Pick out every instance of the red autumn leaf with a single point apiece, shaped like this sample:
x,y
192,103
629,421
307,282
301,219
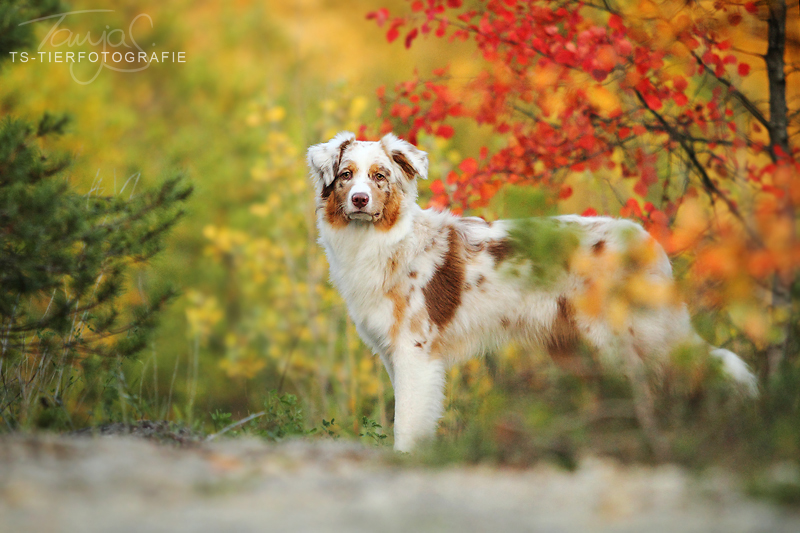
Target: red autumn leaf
x,y
401,111
486,191
545,118
437,187
631,208
680,99
615,23
744,69
653,101
659,217
380,16
411,36
445,131
468,166
439,202
590,212
392,34
587,142
761,264
440,30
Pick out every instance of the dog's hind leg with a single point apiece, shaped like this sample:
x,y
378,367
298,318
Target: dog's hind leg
x,y
419,383
643,403
733,366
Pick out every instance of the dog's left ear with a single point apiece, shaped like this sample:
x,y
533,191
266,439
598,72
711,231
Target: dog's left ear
x,y
412,162
324,158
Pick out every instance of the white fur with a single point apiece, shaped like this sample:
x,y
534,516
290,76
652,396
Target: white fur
x,y
383,275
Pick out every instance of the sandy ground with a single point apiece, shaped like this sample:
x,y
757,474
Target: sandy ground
x,y
127,484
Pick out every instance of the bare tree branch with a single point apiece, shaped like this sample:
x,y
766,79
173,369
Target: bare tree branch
x,y
736,93
708,184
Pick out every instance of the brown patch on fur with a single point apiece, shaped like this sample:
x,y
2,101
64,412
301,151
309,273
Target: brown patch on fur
x,y
443,344
412,274
598,247
481,280
436,347
417,344
392,264
407,168
443,291
398,312
336,197
471,247
505,322
391,208
500,250
342,149
416,323
563,336
379,169
334,210
328,189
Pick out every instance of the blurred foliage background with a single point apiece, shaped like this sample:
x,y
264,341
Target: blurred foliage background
x,y
262,81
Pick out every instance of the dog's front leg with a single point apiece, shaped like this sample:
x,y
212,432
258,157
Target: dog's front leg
x,y
418,396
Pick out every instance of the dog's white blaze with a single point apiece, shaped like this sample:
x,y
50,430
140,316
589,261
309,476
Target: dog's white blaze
x,y
391,279
361,185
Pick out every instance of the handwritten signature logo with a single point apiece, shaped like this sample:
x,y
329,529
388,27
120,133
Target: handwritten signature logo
x,y
118,48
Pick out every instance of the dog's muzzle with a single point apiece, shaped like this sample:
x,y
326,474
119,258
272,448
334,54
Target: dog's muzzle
x,y
360,200
362,215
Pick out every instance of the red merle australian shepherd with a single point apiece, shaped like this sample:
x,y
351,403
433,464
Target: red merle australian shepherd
x,y
427,289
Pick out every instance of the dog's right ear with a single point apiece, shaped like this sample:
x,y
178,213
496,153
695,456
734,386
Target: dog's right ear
x,y
324,158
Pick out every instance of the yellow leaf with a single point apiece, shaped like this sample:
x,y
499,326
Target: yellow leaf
x,y
275,114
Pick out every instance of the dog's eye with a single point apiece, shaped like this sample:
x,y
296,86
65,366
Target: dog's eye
x,y
380,177
346,175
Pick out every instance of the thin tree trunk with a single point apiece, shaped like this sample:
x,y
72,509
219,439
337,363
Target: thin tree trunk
x,y
776,74
779,148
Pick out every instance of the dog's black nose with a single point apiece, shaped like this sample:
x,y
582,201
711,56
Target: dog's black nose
x,y
360,200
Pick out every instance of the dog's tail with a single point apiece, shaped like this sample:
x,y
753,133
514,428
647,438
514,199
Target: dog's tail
x,y
737,369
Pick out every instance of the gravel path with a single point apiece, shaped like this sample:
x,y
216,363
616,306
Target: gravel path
x,y
127,484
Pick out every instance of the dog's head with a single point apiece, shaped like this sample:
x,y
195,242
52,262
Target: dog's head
x,y
365,182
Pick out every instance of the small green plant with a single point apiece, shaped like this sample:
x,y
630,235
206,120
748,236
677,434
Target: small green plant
x,y
372,430
328,428
283,417
220,420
